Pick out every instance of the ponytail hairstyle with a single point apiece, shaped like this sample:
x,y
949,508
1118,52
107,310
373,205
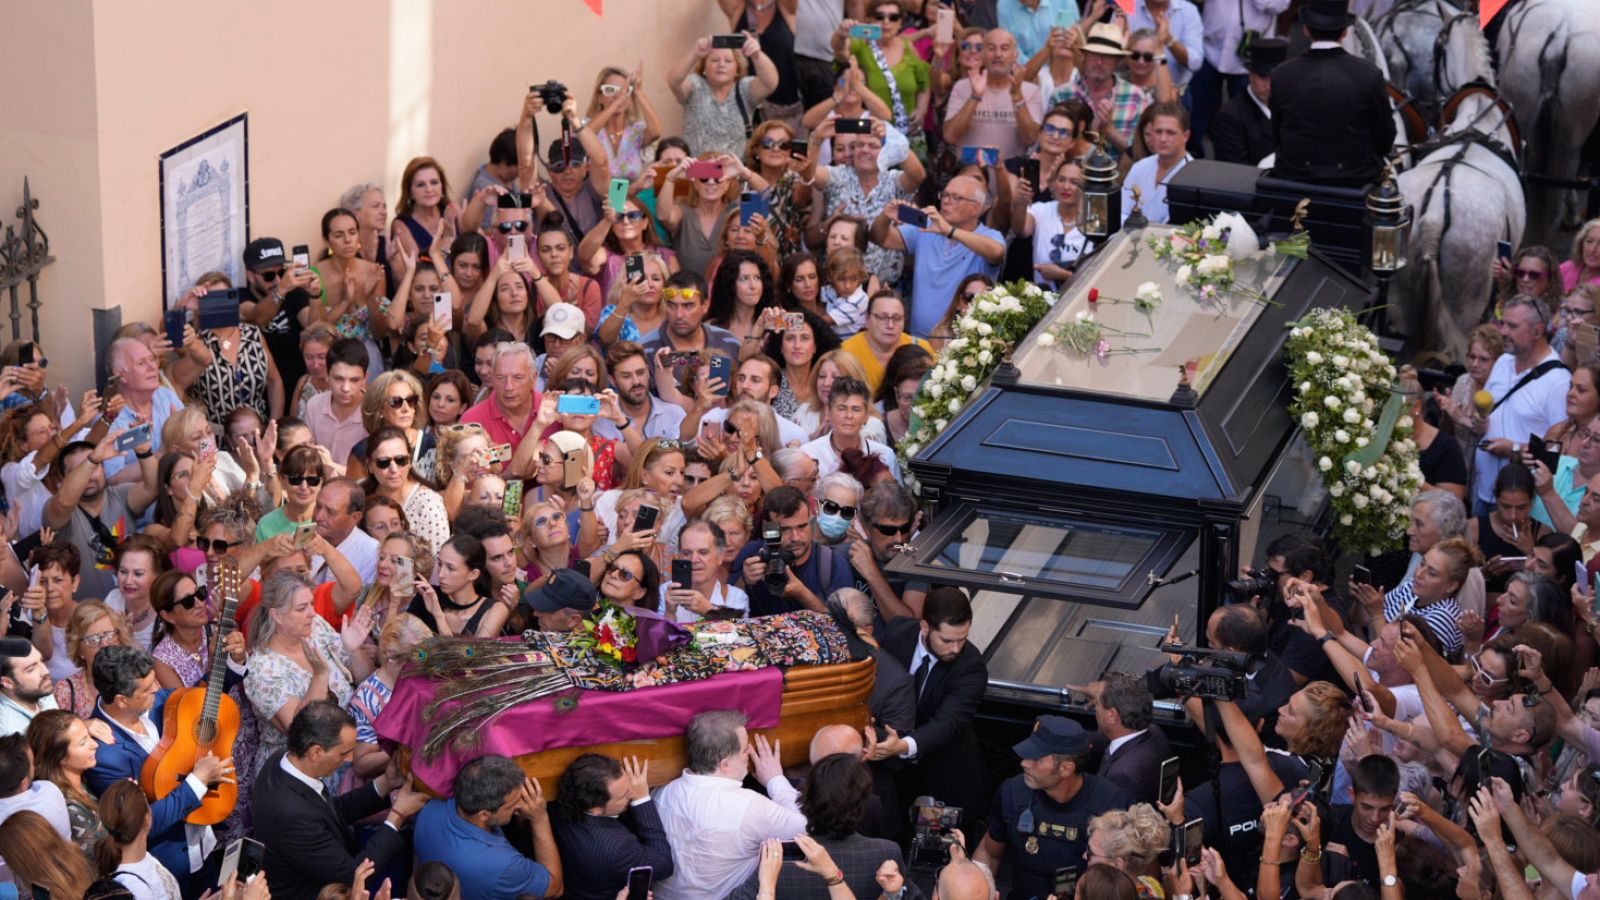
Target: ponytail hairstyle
x,y
124,812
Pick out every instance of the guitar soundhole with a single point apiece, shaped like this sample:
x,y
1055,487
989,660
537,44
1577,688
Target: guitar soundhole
x,y
205,732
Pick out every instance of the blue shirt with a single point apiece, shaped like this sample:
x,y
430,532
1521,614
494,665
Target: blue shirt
x,y
1183,20
1570,494
485,863
1031,27
940,264
163,403
811,573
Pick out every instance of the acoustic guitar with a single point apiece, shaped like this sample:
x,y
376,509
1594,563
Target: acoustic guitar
x,y
200,720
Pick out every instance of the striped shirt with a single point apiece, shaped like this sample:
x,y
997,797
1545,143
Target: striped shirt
x,y
1440,616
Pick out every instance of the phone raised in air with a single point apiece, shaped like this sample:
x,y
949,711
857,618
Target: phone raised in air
x,y
302,255
852,126
633,267
721,367
645,519
1168,785
727,41
176,320
910,215
444,312
578,405
1194,840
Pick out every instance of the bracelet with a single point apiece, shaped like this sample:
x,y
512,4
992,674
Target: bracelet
x,y
952,234
834,880
1310,855
145,455
585,509
1411,729
1322,641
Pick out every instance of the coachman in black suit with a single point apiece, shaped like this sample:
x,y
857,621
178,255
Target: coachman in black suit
x,y
1241,131
1330,111
308,832
950,678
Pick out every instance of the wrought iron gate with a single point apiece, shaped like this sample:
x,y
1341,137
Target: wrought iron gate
x,y
23,255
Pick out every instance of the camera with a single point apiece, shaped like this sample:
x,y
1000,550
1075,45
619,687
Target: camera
x,y
553,93
1206,674
777,576
1261,583
933,831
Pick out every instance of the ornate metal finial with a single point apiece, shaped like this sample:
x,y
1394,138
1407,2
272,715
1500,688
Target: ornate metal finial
x,y
1136,218
1297,222
1183,374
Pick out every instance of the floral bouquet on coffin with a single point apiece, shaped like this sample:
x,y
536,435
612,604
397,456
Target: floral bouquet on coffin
x,y
1206,251
624,637
1356,426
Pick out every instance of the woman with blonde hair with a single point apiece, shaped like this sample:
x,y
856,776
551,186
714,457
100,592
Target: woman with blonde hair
x,y
544,539
776,171
189,430
830,367
394,400
658,467
583,362
633,308
733,517
621,116
1484,346
462,455
397,643
1583,267
697,223
705,81
1131,840
391,592
91,626
425,211
37,854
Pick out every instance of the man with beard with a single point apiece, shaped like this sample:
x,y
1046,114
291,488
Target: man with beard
x,y
629,369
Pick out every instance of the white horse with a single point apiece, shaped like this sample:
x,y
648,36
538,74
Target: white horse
x,y
1465,195
1409,34
1550,63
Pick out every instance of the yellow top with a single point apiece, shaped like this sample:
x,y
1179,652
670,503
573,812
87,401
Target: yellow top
x,y
858,347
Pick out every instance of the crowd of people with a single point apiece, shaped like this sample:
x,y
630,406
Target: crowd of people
x,y
621,349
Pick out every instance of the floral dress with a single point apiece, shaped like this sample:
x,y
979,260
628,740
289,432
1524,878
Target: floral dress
x,y
627,154
845,194
605,463
276,679
225,386
789,215
84,819
193,668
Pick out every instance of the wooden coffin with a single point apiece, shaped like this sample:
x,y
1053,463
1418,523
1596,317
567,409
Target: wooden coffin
x,y
813,696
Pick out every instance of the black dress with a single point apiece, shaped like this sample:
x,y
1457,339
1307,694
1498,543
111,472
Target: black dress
x,y
1442,463
419,608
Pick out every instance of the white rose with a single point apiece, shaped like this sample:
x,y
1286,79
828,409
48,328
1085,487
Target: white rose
x,y
1309,421
1342,436
1314,358
1336,489
1360,500
1331,401
1347,520
1010,305
969,384
1184,274
1305,387
940,424
984,328
1047,340
911,450
1363,441
1353,467
1325,464
1404,422
985,344
985,306
1211,232
954,405
985,357
935,390
1341,362
1351,416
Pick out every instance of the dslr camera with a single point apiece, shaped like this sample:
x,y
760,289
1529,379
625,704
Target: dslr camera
x,y
933,831
776,558
553,93
1261,583
1207,674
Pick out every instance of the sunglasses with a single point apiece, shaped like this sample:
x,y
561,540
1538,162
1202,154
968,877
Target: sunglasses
x,y
542,521
973,46
308,480
622,574
190,601
1483,675
1141,56
1529,274
848,513
886,17
680,293
892,530
411,400
206,545
1056,131
672,444
518,226
100,640
770,143
558,166
270,274
385,462
610,90
708,180
632,215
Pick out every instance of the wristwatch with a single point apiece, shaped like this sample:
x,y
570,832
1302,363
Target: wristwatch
x,y
1390,881
1516,449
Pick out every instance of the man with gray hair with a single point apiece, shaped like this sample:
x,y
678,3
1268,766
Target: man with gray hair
x,y
1529,386
144,397
954,244
888,514
513,402
715,826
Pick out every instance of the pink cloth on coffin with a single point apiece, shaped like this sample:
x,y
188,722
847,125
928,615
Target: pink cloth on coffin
x,y
600,717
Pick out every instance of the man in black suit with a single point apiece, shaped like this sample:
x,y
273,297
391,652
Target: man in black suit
x,y
950,677
1330,111
307,831
1122,708
606,824
1242,130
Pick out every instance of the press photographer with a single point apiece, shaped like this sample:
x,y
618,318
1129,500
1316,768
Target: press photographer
x,y
1236,630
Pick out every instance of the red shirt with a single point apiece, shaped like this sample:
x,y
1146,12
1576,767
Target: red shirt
x,y
500,429
321,598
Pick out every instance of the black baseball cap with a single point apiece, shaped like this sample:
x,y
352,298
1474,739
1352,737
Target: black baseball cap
x,y
562,589
264,253
1054,736
574,153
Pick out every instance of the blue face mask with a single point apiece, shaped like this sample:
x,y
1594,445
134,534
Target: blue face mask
x,y
833,527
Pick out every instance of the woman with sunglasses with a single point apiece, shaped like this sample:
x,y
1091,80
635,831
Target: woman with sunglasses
x,y
91,626
622,118
633,308
545,540
390,473
776,171
394,400
892,68
902,377
798,349
559,283
139,559
968,63
301,475
1052,224
697,222
632,579
1532,271
1147,67
462,605
619,234
971,288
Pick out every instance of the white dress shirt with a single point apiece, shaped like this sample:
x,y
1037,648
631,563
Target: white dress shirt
x,y
1152,193
41,797
200,838
1532,410
1224,30
828,460
716,828
15,720
1111,748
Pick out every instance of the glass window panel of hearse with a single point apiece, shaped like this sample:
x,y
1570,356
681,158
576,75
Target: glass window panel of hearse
x,y
1145,351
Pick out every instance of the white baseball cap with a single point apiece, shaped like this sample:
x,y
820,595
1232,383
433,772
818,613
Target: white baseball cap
x,y
564,321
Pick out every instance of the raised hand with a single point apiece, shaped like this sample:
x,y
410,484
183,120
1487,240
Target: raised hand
x,y
638,775
766,759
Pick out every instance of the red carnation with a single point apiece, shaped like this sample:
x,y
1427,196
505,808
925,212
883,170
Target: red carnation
x,y
1094,296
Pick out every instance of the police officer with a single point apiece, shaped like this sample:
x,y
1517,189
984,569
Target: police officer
x,y
1040,822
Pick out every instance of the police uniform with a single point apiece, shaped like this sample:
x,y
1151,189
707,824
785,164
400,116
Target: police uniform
x,y
1041,835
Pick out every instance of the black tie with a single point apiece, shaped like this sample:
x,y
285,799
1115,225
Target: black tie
x,y
922,673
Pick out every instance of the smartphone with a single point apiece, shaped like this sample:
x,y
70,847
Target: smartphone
x,y
113,388
25,355
572,468
578,405
705,170
852,126
512,504
1502,249
500,453
1361,575
1542,452
219,309
722,367
176,319
682,573
1194,840
405,574
303,532
244,858
633,267
752,203
444,312
1066,881
639,882
1356,699
679,359
727,41
791,321
302,255
792,852
133,437
40,892
1168,788
1030,173
798,148
987,156
618,195
910,215
1519,560
944,32
866,32
646,518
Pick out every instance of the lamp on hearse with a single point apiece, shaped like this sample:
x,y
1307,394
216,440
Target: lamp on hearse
x,y
1100,213
1390,220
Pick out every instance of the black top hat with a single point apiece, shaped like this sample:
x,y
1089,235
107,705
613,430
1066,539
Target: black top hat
x,y
1265,54
1326,15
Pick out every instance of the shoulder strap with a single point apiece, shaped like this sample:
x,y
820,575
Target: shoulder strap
x,y
1537,373
744,115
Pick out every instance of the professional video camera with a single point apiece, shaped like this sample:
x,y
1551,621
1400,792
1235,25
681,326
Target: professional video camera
x,y
1261,583
776,558
553,93
933,827
1207,674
